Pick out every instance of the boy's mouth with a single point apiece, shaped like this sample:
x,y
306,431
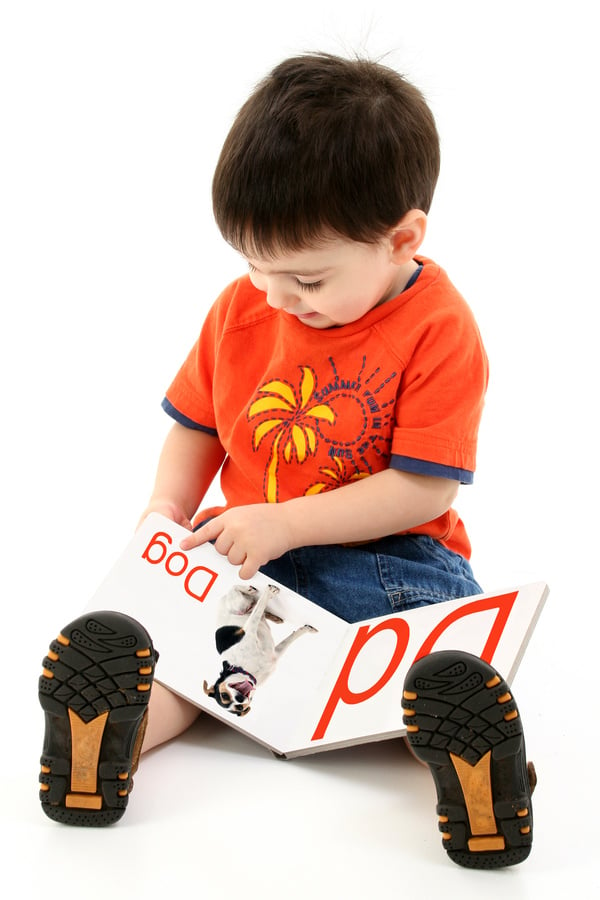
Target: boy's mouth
x,y
315,319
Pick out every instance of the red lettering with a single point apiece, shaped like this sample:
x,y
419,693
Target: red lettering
x,y
212,577
156,542
503,603
169,563
176,564
341,690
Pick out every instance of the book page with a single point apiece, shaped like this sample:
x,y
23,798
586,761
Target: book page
x,y
331,683
178,598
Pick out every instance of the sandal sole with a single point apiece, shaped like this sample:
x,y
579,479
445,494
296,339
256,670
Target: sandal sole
x,y
463,722
94,690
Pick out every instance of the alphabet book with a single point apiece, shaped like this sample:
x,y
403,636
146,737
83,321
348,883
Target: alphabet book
x,y
277,667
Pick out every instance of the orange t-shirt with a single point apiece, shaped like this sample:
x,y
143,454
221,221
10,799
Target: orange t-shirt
x,y
301,410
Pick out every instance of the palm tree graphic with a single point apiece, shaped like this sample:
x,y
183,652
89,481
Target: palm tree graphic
x,y
294,434
333,476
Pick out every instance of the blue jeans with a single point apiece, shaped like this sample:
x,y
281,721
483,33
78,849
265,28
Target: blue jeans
x,y
391,575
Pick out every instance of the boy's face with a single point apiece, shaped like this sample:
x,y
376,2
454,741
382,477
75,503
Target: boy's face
x,y
331,284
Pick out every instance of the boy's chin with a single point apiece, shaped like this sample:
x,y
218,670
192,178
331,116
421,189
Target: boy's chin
x,y
315,320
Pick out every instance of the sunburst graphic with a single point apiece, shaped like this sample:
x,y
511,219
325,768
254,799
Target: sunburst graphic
x,y
364,407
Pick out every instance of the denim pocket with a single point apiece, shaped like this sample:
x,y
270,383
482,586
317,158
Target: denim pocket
x,y
418,571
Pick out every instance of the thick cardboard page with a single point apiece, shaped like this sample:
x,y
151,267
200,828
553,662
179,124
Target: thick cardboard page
x,y
334,685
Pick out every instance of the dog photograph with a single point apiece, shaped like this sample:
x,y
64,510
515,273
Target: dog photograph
x,y
246,646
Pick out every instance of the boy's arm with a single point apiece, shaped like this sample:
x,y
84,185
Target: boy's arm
x,y
385,503
188,462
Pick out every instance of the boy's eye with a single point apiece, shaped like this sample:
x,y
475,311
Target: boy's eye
x,y
309,285
305,285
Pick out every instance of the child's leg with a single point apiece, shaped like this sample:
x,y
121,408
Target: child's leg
x,y
168,716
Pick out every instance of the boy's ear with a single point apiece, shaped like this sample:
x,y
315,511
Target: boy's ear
x,y
407,236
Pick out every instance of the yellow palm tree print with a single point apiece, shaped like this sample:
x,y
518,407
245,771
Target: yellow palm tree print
x,y
289,423
334,476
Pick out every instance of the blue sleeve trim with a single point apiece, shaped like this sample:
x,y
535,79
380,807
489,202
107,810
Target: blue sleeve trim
x,y
184,420
423,467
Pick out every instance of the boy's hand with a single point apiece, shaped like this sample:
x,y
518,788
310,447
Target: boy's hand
x,y
169,510
249,536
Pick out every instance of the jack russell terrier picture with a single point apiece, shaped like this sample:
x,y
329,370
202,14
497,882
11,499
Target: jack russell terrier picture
x,y
246,646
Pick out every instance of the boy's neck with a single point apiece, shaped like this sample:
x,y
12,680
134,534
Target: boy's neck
x,y
403,278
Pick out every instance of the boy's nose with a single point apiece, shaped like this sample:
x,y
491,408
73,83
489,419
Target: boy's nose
x,y
280,298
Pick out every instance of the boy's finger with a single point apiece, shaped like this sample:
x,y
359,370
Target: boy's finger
x,y
196,538
248,569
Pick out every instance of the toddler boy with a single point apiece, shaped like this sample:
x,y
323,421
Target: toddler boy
x,y
338,388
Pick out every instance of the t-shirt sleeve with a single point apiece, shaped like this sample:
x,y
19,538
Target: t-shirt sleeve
x,y
440,403
189,398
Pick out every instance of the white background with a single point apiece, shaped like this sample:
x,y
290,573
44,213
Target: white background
x,y
112,115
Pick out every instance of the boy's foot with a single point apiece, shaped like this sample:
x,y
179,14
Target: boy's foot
x,y
94,689
463,722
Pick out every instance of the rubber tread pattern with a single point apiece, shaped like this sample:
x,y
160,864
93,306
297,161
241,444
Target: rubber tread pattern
x,y
101,662
455,703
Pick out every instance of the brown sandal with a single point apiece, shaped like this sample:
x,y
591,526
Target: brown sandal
x,y
463,722
94,690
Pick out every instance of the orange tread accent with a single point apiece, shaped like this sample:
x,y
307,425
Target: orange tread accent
x,y
52,655
493,682
47,673
481,844
147,670
504,698
410,695
511,715
145,652
63,640
86,740
83,801
476,786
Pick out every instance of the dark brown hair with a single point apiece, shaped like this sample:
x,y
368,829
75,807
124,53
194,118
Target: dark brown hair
x,y
323,146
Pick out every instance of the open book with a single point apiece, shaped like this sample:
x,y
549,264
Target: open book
x,y
279,668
